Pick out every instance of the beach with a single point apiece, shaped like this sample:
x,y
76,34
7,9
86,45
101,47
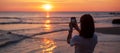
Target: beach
x,y
106,43
30,33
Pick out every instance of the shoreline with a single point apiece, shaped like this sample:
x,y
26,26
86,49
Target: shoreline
x,y
103,46
108,30
6,36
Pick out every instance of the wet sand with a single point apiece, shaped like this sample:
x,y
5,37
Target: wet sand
x,y
108,42
109,30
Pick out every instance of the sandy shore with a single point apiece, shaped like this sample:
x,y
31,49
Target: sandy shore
x,y
108,41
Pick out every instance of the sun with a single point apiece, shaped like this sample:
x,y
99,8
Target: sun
x,y
47,7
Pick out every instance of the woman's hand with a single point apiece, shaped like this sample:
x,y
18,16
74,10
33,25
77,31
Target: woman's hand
x,y
70,32
76,26
70,26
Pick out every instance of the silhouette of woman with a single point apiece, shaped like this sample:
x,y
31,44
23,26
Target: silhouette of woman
x,y
86,41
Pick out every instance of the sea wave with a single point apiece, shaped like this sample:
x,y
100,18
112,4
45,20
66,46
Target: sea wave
x,y
15,38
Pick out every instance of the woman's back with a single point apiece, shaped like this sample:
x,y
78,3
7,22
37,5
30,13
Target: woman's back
x,y
86,41
83,45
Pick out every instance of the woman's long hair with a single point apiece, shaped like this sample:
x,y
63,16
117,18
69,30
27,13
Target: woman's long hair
x,y
87,26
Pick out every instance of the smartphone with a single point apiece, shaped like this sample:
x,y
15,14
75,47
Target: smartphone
x,y
73,20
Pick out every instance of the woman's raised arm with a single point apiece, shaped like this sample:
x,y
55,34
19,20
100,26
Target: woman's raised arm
x,y
69,33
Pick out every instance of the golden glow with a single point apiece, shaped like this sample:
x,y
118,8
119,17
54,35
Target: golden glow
x,y
47,21
47,15
59,5
47,7
47,25
48,45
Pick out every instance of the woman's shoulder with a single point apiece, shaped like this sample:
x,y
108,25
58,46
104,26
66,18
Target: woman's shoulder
x,y
76,36
95,35
80,37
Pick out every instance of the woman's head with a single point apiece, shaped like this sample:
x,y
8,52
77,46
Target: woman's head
x,y
87,26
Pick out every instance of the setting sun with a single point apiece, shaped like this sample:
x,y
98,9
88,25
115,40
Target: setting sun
x,y
59,5
47,7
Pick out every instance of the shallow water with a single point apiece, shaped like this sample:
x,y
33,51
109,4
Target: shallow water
x,y
48,34
56,43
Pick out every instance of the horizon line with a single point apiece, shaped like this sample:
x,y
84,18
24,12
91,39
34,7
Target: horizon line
x,y
60,11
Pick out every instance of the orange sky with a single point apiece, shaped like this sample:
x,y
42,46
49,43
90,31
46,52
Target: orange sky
x,y
60,5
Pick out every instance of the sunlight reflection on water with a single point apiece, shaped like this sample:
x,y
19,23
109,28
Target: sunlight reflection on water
x,y
47,45
47,25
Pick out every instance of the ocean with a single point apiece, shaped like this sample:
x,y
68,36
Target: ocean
x,y
35,24
27,21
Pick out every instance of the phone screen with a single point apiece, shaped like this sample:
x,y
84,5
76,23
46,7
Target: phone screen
x,y
73,19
